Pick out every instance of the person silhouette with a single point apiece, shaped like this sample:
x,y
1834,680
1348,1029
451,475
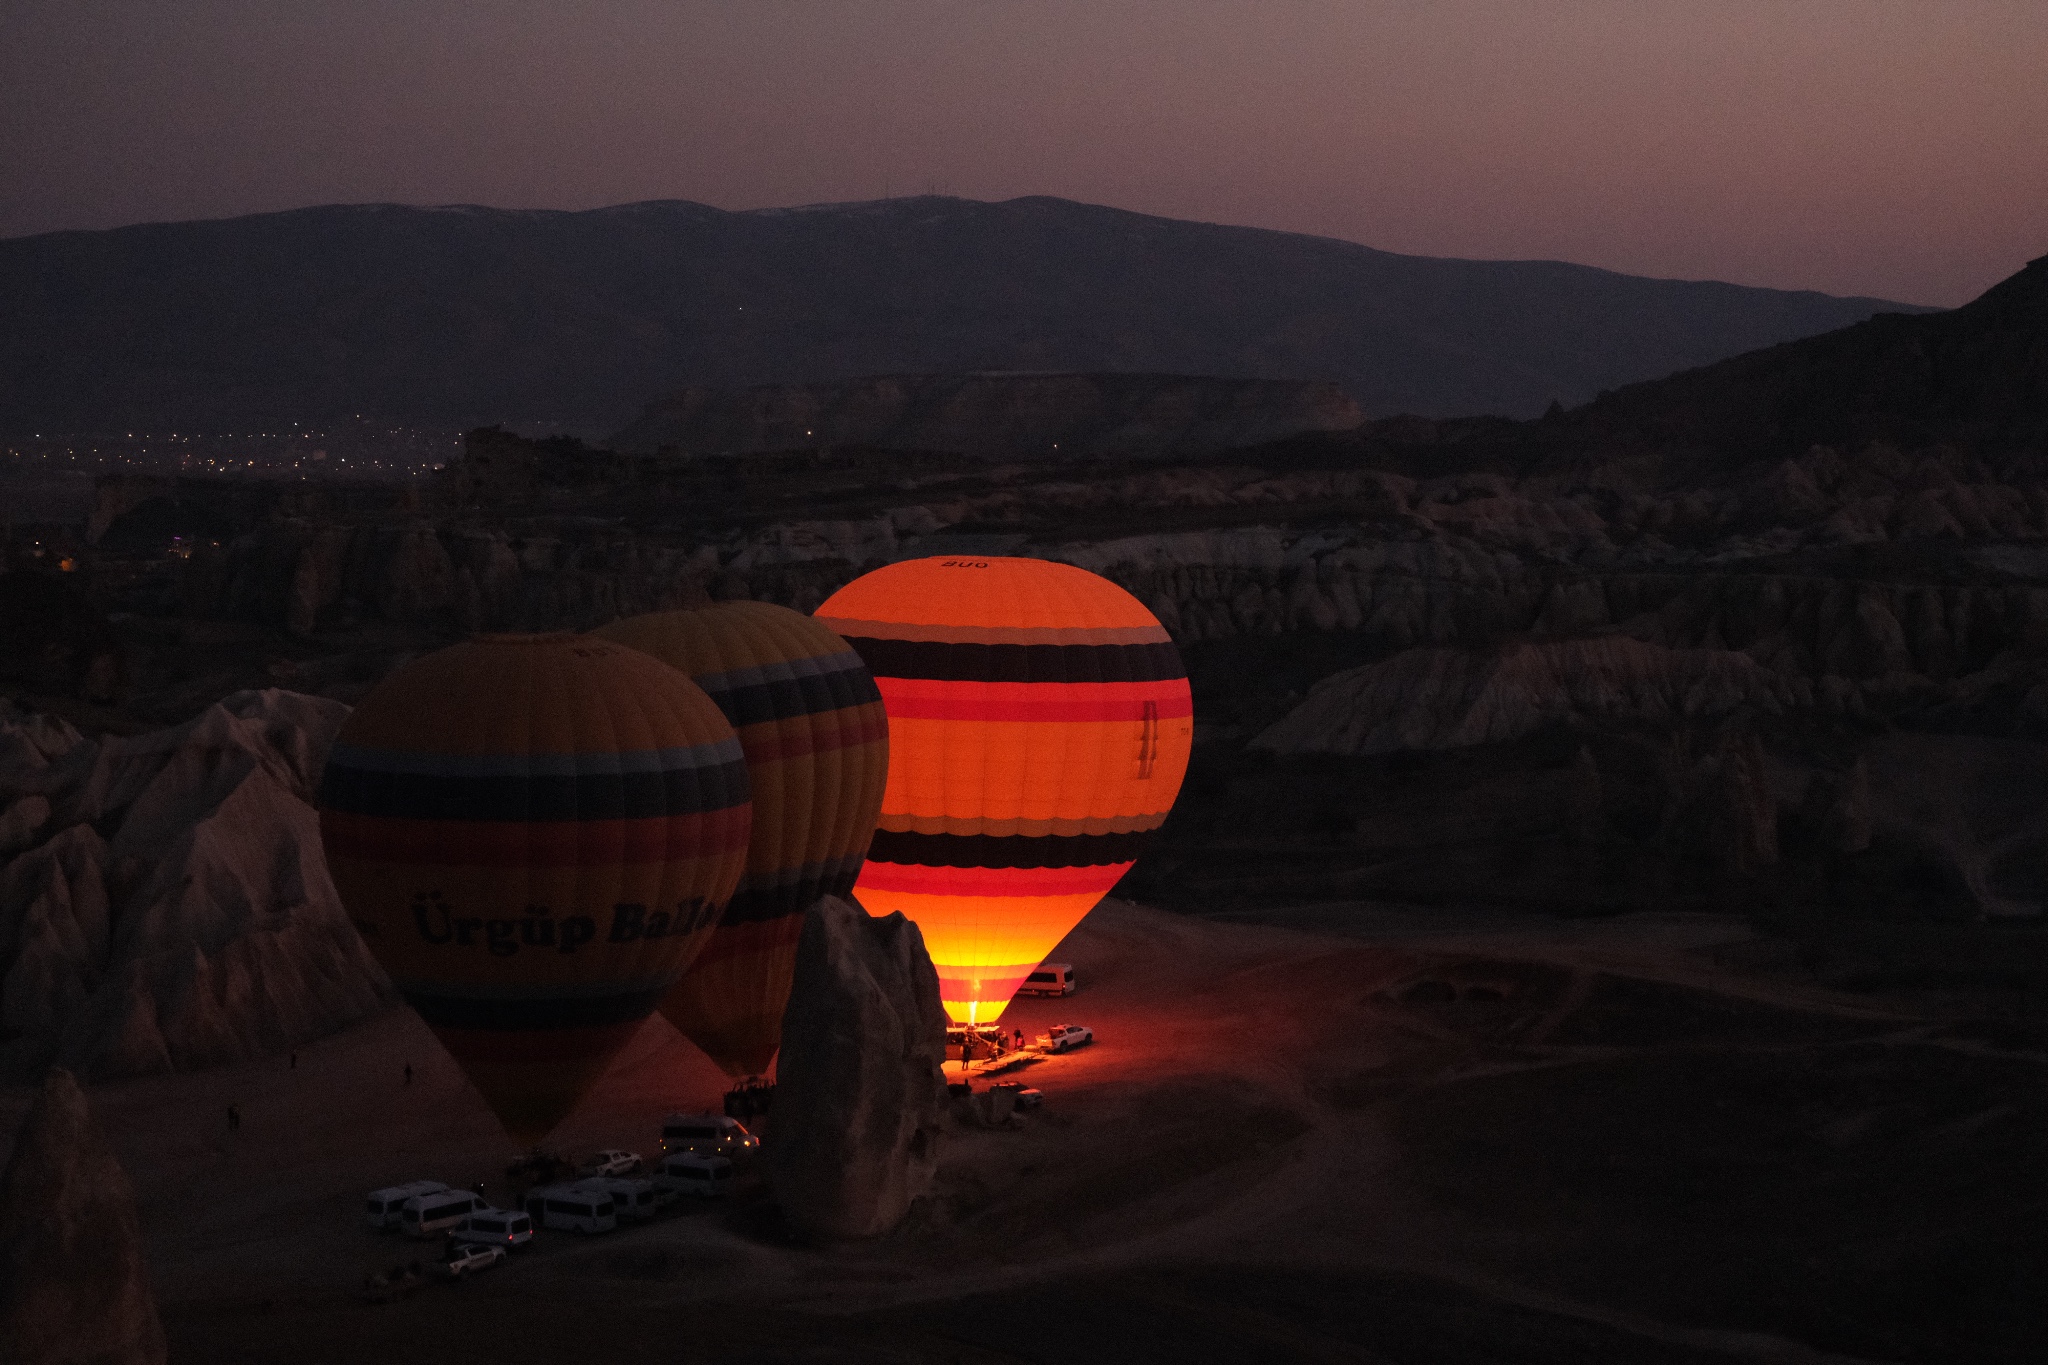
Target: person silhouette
x,y
408,1073
234,1118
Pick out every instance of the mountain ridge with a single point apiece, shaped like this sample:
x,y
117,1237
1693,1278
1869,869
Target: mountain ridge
x,y
462,315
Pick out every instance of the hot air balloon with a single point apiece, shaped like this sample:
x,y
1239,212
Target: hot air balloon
x,y
817,747
535,834
1039,729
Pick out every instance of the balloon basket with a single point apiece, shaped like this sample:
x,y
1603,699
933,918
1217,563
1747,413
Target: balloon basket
x,y
750,1100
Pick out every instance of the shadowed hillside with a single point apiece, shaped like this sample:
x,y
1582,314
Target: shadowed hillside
x,y
1975,378
458,316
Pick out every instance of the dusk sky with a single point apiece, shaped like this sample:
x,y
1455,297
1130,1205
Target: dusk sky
x,y
1889,147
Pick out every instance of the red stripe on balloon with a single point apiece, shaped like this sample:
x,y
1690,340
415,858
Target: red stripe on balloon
x,y
739,940
769,741
549,843
915,879
928,699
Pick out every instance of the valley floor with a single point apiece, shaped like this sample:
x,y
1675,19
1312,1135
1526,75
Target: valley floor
x,y
1344,1133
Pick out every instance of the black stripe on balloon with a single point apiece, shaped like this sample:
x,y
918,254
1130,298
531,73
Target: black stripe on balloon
x,y
534,1015
588,796
1020,663
787,698
762,904
1005,850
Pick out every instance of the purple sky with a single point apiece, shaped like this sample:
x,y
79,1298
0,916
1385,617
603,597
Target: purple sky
x,y
1888,147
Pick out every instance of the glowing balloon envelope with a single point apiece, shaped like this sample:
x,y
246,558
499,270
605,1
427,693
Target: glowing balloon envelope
x,y
817,746
1039,729
535,836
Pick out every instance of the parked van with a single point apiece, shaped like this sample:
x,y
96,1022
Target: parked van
x,y
705,1133
634,1200
1051,978
384,1205
572,1208
693,1173
425,1215
487,1226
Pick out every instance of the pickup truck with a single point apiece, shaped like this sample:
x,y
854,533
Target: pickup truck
x,y
466,1258
1027,1096
611,1161
1061,1037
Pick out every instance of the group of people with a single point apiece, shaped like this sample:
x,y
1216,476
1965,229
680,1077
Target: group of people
x,y
750,1099
997,1044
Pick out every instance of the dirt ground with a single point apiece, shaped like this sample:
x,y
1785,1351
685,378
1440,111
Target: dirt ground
x,y
1360,1134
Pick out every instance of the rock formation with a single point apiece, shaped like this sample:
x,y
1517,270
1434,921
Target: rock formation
x,y
173,909
859,1090
73,1286
1446,698
1836,808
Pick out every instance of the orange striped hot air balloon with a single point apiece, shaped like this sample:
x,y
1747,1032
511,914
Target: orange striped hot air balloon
x,y
1039,729
535,834
817,746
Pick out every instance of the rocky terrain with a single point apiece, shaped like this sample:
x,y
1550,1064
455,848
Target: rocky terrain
x,y
1622,657
164,902
854,1141
1612,658
74,1283
453,317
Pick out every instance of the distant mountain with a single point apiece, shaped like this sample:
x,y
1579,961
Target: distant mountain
x,y
459,316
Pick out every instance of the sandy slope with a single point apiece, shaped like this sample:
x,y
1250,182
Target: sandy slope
x,y
1424,1139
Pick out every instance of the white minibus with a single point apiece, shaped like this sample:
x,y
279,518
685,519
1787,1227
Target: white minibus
x,y
706,1133
508,1228
572,1208
425,1215
1051,978
633,1199
383,1207
694,1173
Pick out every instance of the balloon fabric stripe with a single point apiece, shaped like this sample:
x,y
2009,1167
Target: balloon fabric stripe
x,y
1025,882
929,632
1078,710
561,843
536,797
773,742
1007,850
1039,663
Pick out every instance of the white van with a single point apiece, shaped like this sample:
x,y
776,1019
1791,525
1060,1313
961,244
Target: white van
x,y
694,1173
508,1228
425,1215
572,1208
705,1133
634,1200
384,1205
1051,978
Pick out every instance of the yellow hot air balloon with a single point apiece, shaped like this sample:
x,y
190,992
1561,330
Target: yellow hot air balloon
x,y
1039,729
535,835
817,747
